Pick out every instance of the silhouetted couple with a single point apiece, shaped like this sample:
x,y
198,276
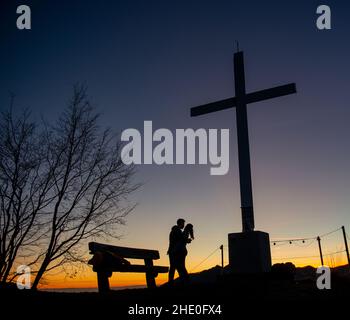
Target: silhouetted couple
x,y
177,251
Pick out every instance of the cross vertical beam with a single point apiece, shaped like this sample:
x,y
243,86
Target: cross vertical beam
x,y
240,102
245,178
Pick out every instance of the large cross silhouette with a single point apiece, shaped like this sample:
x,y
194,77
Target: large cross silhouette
x,y
240,101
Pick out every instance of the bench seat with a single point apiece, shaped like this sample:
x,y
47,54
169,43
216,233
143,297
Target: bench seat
x,y
108,259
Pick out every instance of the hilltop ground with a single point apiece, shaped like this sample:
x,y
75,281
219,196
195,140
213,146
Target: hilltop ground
x,y
253,294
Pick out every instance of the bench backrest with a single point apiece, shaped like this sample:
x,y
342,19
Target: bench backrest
x,y
125,252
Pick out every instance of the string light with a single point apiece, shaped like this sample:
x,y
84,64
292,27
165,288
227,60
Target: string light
x,y
303,240
295,241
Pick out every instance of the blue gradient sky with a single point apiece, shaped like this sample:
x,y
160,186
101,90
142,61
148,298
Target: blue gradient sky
x,y
153,60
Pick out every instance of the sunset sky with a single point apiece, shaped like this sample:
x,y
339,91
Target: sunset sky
x,y
154,60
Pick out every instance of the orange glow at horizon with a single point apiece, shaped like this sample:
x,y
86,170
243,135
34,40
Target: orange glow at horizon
x,y
298,252
89,279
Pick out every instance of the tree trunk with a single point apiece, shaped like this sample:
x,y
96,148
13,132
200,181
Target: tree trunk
x,y
40,273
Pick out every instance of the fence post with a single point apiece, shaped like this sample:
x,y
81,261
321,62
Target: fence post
x,y
319,247
346,245
222,256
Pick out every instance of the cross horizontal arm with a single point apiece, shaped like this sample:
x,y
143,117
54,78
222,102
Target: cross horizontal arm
x,y
250,98
213,107
271,93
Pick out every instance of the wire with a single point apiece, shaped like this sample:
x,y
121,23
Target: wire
x,y
204,259
304,239
292,240
347,236
303,257
280,244
335,252
285,242
328,233
306,245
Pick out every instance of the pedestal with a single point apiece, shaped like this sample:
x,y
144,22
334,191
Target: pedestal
x,y
249,252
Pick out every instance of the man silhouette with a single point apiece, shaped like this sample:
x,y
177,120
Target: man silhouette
x,y
175,252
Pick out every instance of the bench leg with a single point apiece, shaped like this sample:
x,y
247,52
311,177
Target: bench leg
x,y
150,276
151,281
103,282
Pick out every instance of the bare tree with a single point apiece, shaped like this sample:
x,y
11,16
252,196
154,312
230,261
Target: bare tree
x,y
91,183
23,186
76,188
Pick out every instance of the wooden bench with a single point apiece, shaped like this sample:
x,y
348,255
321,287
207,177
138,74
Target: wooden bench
x,y
108,259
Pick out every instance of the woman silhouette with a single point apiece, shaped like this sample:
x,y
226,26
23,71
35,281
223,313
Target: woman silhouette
x,y
188,233
187,238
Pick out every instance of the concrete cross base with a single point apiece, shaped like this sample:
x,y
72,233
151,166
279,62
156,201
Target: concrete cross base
x,y
249,252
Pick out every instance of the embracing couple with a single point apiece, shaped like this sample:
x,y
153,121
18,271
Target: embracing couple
x,y
179,236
